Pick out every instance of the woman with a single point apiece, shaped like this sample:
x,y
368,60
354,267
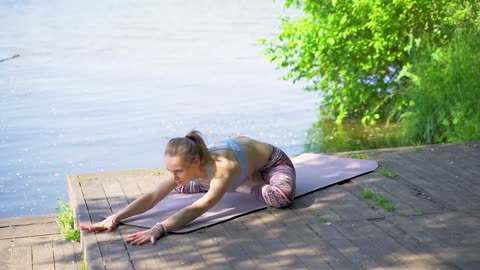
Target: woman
x,y
240,164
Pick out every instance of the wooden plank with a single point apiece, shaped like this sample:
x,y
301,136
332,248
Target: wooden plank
x,y
427,255
112,247
429,238
325,253
6,250
28,230
404,256
293,235
91,249
434,173
349,207
191,258
170,252
42,257
19,221
435,192
78,249
130,188
21,258
208,250
64,255
229,245
314,203
124,190
277,244
455,230
148,183
141,257
446,165
346,249
402,190
435,180
381,255
355,188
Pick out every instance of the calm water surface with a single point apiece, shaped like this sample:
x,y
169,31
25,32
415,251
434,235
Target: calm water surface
x,y
103,85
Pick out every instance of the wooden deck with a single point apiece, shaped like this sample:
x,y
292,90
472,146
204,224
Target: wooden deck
x,y
436,224
36,243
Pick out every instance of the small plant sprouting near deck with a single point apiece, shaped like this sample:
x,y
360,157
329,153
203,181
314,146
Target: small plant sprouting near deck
x,y
378,199
387,173
270,209
359,156
418,145
67,221
84,265
322,220
419,210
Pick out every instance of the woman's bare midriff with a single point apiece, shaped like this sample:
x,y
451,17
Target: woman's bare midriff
x,y
258,154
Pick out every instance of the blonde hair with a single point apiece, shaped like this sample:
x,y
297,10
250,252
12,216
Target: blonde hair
x,y
188,147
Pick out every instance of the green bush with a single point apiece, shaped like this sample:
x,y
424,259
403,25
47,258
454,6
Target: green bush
x,y
66,220
355,52
446,93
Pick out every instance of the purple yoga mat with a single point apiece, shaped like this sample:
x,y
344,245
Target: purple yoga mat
x,y
314,171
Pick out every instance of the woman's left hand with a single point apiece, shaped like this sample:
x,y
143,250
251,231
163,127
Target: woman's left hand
x,y
140,238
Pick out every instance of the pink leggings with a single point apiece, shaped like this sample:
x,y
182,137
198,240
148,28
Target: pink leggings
x,y
279,175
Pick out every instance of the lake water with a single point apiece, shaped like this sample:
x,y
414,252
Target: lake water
x,y
102,86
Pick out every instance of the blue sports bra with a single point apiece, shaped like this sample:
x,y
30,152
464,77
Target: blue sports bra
x,y
241,156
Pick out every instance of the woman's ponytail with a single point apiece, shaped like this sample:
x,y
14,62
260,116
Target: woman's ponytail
x,y
189,147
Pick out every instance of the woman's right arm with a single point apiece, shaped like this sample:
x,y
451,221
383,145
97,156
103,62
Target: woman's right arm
x,y
140,205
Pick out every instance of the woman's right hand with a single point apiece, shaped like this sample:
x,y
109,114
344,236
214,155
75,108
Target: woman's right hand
x,y
107,224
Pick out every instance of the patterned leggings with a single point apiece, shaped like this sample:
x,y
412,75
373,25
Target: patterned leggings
x,y
279,175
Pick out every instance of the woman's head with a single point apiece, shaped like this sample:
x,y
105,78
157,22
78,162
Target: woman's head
x,y
183,153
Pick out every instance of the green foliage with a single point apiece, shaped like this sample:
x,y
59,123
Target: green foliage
x,y
419,210
358,52
322,220
66,221
387,173
446,94
367,193
378,199
359,156
84,265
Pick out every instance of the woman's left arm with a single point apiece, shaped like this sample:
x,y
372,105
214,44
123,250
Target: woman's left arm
x,y
218,187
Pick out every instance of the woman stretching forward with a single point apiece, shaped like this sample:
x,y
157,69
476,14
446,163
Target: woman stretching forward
x,y
240,164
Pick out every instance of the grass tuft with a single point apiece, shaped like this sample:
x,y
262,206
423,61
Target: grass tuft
x,y
417,145
66,221
378,200
84,265
322,220
387,173
359,156
419,210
